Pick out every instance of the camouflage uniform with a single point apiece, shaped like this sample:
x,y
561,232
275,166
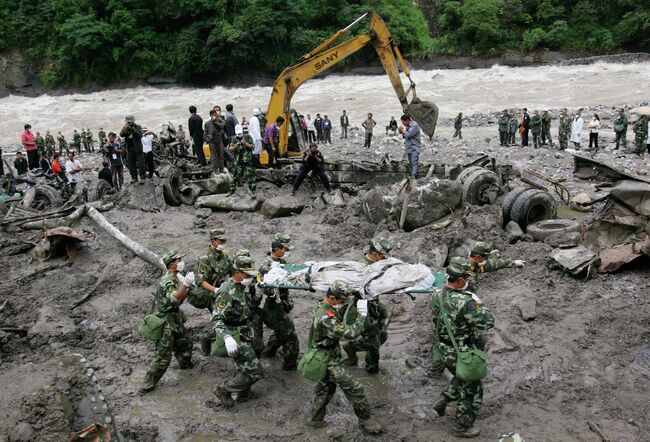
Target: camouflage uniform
x,y
491,264
232,312
465,316
536,129
40,143
546,128
63,144
563,130
458,125
90,144
275,314
620,128
513,124
244,168
375,328
175,338
504,123
327,329
76,141
640,136
102,137
50,144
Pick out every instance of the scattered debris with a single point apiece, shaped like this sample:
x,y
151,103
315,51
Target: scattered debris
x,y
614,258
285,205
576,261
541,230
92,433
232,203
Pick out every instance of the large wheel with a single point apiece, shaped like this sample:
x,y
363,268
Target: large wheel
x,y
481,187
543,229
42,198
171,179
509,201
531,206
462,176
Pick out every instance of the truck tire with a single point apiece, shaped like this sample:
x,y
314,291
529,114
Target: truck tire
x,y
462,176
508,202
42,198
189,194
531,206
171,179
543,229
481,187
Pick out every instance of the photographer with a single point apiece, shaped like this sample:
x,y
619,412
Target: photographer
x,y
132,135
312,160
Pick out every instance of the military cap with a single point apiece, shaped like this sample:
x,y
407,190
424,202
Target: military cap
x,y
284,239
481,248
459,266
246,265
381,245
340,289
171,256
218,233
129,119
510,437
242,252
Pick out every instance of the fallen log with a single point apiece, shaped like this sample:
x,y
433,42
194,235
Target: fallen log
x,y
51,223
136,248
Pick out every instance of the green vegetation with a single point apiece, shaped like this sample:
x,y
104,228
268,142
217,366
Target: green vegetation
x,y
107,40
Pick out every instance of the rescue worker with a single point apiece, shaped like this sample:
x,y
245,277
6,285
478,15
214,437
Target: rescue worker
x,y
375,330
640,135
63,144
241,145
620,129
563,129
50,144
536,129
89,140
102,137
278,306
483,259
546,128
84,140
76,141
504,124
231,315
172,290
327,329
458,316
458,126
40,143
512,128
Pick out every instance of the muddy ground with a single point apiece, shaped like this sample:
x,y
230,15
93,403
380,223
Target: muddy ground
x,y
580,360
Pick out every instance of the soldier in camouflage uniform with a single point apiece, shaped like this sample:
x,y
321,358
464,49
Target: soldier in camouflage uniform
x,y
504,123
458,126
640,135
466,316
277,307
50,144
546,129
513,124
76,141
40,143
327,329
63,144
172,291
241,145
232,315
375,330
83,140
89,140
102,137
620,129
536,129
563,129
483,260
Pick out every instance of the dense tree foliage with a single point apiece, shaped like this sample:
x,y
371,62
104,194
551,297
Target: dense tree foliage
x,y
108,40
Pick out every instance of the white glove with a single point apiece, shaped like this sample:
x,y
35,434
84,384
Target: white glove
x,y
518,263
189,279
362,307
216,290
231,346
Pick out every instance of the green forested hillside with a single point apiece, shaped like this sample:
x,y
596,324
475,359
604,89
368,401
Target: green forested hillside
x,y
108,40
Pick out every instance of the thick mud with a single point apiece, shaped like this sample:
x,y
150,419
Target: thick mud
x,y
579,360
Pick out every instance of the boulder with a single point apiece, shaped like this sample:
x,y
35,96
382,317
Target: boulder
x,y
51,323
229,203
514,232
527,308
217,184
285,205
335,199
203,213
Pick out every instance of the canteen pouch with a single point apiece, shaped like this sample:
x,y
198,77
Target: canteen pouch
x,y
219,346
471,365
313,364
152,327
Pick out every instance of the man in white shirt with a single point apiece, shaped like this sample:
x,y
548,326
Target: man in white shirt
x,y
73,170
576,129
147,150
311,129
255,131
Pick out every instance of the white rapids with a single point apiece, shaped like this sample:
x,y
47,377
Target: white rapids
x,y
469,90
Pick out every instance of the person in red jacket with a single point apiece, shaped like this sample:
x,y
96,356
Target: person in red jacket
x,y
29,144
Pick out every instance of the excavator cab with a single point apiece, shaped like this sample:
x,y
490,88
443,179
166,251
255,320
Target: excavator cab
x,y
425,113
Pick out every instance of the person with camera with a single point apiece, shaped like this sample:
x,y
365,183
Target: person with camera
x,y
312,160
132,135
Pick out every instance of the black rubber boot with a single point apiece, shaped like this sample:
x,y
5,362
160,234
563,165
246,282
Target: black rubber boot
x,y
224,396
440,407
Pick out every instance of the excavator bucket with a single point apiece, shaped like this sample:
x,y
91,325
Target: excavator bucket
x,y
425,113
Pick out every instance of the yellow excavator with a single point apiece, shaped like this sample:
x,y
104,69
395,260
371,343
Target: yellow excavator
x,y
323,58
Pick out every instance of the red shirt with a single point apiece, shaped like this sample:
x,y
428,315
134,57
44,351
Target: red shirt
x,y
56,167
29,142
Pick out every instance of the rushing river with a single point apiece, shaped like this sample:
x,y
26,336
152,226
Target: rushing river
x,y
469,91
